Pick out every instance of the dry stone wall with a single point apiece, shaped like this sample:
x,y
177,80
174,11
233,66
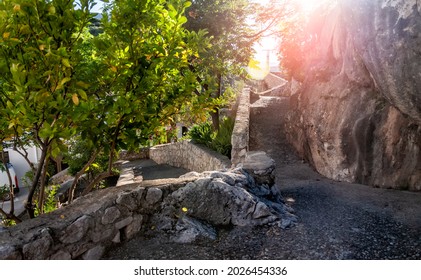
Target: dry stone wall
x,y
86,228
188,208
240,134
190,156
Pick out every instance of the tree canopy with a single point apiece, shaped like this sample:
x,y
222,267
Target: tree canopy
x,y
115,90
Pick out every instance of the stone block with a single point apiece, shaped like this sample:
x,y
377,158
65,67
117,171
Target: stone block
x,y
128,199
117,238
9,252
121,224
94,254
102,235
261,167
61,255
110,215
77,230
38,249
153,196
132,229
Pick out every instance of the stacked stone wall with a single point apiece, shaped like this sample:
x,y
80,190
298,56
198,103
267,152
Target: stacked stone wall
x,y
189,155
240,134
85,229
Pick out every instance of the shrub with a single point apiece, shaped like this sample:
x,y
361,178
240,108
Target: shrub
x,y
202,133
218,141
222,141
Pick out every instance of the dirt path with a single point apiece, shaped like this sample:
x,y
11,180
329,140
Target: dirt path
x,y
337,220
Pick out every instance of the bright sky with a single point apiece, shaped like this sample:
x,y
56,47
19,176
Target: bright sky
x,y
98,7
266,49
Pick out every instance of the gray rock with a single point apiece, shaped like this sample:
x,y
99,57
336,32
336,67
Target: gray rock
x,y
117,238
128,199
227,178
61,255
224,204
153,196
110,215
39,248
9,252
189,230
94,254
261,211
101,234
77,230
125,222
134,227
260,166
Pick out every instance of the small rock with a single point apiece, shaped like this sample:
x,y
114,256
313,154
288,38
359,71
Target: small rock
x,y
94,254
190,230
39,248
110,215
61,255
153,196
77,230
121,224
9,252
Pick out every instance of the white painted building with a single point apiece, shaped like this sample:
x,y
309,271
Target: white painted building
x,y
20,164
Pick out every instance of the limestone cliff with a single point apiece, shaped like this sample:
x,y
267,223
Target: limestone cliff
x,y
357,114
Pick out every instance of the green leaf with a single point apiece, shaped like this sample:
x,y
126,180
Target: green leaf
x,y
82,94
66,62
182,20
75,99
65,80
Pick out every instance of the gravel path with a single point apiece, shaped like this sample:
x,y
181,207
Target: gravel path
x,y
337,220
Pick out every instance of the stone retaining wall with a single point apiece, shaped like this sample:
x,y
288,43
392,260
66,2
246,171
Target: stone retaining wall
x,y
86,228
93,223
190,156
240,134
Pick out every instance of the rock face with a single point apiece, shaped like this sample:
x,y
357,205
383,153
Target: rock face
x,y
214,199
357,115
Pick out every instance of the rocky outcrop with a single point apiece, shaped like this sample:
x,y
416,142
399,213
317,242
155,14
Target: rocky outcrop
x,y
357,115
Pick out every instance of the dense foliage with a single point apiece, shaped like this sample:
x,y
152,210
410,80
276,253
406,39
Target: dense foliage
x,y
229,53
114,90
219,141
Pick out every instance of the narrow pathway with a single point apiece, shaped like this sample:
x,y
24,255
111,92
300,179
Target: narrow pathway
x,y
337,220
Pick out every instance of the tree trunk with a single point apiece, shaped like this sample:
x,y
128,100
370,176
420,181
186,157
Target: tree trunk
x,y
215,119
215,114
41,198
12,195
78,175
29,206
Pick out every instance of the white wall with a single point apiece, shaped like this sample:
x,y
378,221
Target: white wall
x,y
20,164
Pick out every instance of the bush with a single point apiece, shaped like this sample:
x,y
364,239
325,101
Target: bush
x,y
218,141
202,134
222,141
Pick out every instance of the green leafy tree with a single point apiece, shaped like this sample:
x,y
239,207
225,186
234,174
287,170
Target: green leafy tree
x,y
41,92
231,48
143,56
114,90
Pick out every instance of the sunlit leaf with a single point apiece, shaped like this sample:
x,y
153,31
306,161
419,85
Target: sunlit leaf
x,y
75,99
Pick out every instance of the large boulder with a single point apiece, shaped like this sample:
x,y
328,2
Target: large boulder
x,y
357,115
220,199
